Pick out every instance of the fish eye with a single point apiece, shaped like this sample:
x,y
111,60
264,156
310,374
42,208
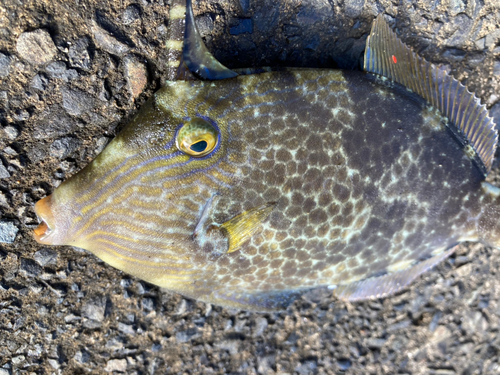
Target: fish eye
x,y
197,137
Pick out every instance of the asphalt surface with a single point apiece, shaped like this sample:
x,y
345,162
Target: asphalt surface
x,y
73,73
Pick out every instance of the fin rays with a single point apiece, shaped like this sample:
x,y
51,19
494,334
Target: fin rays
x,y
389,284
386,55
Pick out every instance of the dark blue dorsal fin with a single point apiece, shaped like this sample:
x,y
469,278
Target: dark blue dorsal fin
x,y
387,55
196,55
386,285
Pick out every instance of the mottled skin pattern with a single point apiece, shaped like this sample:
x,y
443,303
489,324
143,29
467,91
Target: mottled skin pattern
x,y
366,180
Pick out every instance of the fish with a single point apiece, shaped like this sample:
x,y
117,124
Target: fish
x,y
246,189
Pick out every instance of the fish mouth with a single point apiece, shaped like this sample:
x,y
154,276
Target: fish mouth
x,y
46,227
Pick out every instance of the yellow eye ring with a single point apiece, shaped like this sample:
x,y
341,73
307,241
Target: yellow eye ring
x,y
197,138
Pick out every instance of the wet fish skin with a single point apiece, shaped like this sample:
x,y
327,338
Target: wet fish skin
x,y
353,199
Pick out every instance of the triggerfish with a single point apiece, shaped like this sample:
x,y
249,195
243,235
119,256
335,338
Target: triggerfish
x,y
245,189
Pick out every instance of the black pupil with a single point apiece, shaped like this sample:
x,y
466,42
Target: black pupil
x,y
199,146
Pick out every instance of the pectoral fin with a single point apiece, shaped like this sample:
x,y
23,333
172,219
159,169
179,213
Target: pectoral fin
x,y
240,228
229,236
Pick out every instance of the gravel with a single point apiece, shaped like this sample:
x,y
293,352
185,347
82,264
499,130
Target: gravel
x,y
8,232
78,54
136,76
76,102
4,65
4,173
45,257
72,74
36,47
59,70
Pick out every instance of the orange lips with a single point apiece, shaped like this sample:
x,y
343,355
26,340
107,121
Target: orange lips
x,y
44,212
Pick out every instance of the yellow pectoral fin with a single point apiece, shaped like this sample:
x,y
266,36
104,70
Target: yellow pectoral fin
x,y
240,228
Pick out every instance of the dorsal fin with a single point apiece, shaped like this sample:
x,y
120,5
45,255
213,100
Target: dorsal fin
x,y
387,55
196,55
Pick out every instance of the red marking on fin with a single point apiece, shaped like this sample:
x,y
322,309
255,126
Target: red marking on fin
x,y
394,60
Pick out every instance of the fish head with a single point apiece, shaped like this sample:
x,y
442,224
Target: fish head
x,y
138,205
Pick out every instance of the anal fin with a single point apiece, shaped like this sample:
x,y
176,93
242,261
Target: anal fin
x,y
383,286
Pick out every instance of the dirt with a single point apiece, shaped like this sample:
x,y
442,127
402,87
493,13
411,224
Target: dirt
x,y
73,73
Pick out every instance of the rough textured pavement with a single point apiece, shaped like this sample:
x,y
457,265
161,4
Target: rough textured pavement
x,y
73,72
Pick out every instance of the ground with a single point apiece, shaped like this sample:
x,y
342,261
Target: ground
x,y
73,72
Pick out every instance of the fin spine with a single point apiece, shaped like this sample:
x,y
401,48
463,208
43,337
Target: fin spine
x,y
195,54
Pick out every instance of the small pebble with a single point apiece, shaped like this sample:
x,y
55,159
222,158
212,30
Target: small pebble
x,y
30,267
119,365
54,124
59,70
148,304
344,364
52,362
79,55
64,147
492,38
11,132
108,43
4,65
136,76
10,151
265,364
94,308
205,25
36,47
18,360
45,257
474,322
232,346
306,368
21,115
185,336
3,200
82,356
8,232
126,328
39,82
354,8
131,14
4,173
76,102
374,343
260,326
496,69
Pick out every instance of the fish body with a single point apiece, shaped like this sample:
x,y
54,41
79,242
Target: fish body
x,y
316,178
